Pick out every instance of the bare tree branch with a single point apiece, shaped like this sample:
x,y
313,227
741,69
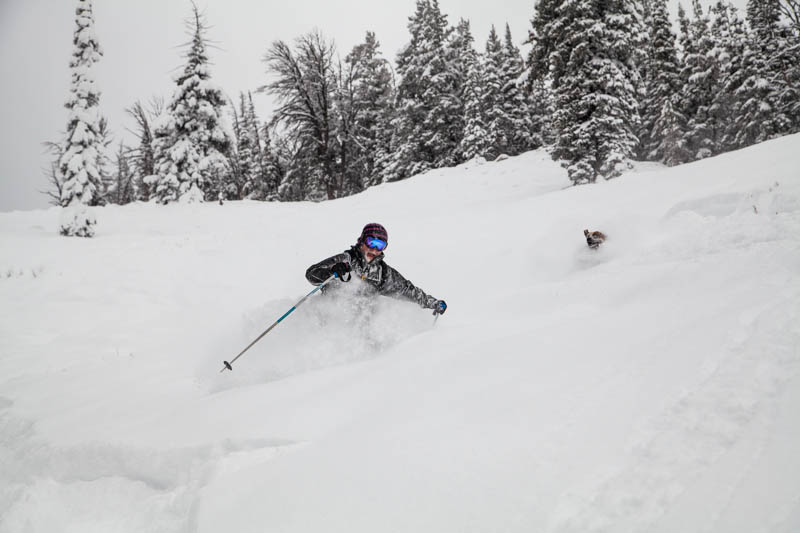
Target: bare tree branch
x,y
791,10
54,192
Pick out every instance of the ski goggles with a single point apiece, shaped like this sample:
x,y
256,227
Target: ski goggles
x,y
375,244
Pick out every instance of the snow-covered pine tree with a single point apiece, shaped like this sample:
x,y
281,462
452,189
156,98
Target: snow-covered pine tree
x,y
267,173
473,141
539,100
82,156
142,158
457,48
406,154
459,54
190,143
538,96
498,124
683,102
768,94
700,77
233,160
443,126
106,166
670,144
515,106
661,82
368,85
428,109
546,31
121,189
248,151
789,95
729,36
269,160
595,49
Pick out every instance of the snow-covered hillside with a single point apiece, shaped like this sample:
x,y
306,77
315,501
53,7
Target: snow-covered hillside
x,y
650,385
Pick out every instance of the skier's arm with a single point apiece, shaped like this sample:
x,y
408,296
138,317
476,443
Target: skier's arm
x,y
397,286
318,273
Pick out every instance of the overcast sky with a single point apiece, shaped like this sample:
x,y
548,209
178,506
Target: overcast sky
x,y
140,41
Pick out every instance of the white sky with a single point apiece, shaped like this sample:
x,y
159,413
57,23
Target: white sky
x,y
141,44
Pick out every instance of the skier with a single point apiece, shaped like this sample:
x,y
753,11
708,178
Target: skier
x,y
365,260
594,238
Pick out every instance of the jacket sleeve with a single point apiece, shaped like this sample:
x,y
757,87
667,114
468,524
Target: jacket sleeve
x,y
318,273
397,286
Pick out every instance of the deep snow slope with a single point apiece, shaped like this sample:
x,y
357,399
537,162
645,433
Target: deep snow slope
x,y
650,385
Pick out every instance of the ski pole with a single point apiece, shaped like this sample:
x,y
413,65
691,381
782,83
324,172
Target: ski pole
x,y
229,365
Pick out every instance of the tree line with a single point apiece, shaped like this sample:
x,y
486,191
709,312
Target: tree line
x,y
604,82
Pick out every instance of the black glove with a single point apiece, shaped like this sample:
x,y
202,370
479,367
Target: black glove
x,y
340,269
439,307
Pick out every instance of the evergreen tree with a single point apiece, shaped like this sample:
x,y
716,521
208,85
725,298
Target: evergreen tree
x,y
443,125
233,156
428,110
591,50
266,180
407,156
105,164
82,155
498,123
538,96
254,174
121,189
539,102
700,77
547,30
142,158
248,150
473,141
519,126
730,37
459,55
661,82
669,143
365,103
190,143
768,94
269,162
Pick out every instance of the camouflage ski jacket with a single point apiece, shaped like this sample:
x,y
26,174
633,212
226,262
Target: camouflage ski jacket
x,y
382,278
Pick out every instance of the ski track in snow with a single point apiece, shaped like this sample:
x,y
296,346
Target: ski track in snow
x,y
692,434
109,487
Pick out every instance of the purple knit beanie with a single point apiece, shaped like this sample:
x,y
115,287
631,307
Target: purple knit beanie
x,y
375,231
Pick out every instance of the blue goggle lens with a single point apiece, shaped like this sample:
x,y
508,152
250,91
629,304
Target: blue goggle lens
x,y
377,244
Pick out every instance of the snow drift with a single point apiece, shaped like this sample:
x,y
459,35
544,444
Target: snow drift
x,y
649,385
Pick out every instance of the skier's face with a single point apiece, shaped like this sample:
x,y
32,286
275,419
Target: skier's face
x,y
370,253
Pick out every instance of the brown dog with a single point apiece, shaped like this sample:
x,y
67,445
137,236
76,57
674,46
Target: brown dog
x,y
594,238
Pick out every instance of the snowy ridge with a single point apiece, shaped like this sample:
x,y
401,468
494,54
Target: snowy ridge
x,y
650,385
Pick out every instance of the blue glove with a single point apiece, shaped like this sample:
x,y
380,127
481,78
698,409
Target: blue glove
x,y
439,307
